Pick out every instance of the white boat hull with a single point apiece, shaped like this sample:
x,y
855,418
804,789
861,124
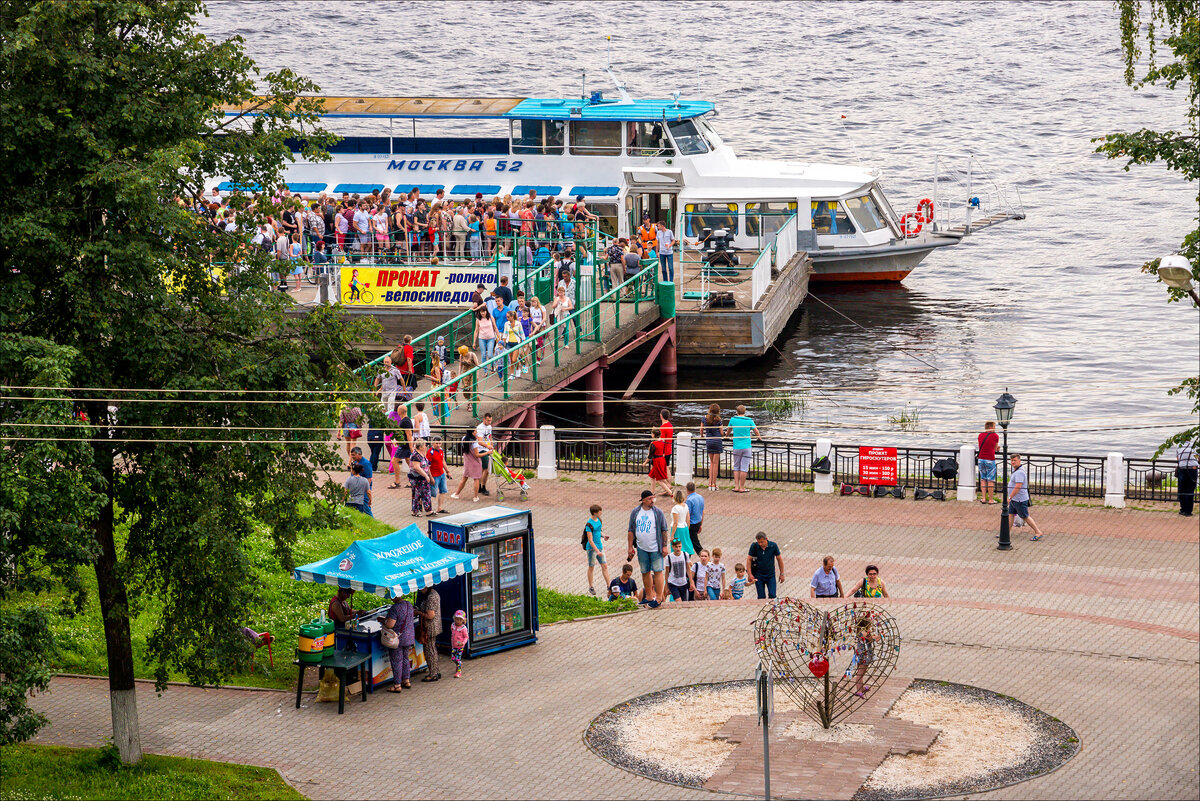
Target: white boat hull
x,y
885,263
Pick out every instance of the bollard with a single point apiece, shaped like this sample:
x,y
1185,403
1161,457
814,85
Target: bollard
x,y
685,461
967,473
323,289
547,466
823,482
1114,480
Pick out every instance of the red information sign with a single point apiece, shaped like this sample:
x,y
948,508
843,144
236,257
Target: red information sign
x,y
877,466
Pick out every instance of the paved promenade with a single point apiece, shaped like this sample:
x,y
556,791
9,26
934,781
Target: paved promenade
x,y
1097,625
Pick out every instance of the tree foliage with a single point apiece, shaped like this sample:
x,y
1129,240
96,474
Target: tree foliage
x,y
162,391
1145,25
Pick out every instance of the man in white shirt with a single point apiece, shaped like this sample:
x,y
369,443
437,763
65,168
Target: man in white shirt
x,y
388,383
648,541
362,227
666,250
483,436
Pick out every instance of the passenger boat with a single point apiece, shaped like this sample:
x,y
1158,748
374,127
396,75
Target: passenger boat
x,y
662,157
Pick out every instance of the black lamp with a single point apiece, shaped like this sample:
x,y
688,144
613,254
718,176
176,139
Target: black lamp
x,y
1004,412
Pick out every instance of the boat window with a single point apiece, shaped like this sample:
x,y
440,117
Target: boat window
x,y
710,215
830,218
649,139
709,132
607,212
688,138
768,217
537,136
865,213
593,138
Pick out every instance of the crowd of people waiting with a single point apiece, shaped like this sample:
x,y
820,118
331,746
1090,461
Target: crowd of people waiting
x,y
381,225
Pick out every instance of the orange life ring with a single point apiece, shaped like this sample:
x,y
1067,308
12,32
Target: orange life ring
x,y
911,230
925,203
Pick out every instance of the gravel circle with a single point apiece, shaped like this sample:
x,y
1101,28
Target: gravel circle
x,y
608,736
1054,744
613,737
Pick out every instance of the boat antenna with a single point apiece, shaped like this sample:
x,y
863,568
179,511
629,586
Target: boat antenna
x,y
583,95
622,90
850,139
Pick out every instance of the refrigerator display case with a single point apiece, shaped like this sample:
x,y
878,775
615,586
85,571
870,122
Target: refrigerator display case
x,y
500,596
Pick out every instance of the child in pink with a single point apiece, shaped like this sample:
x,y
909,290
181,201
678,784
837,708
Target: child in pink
x,y
458,640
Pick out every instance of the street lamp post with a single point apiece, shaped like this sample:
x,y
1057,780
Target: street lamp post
x,y
1176,272
1004,412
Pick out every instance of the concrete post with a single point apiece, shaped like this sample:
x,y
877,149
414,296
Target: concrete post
x,y
684,457
967,474
1114,480
823,482
547,463
323,289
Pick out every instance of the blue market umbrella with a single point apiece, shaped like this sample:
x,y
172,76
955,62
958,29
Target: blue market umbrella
x,y
390,566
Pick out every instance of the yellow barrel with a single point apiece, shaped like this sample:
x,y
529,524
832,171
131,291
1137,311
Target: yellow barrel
x,y
328,626
311,643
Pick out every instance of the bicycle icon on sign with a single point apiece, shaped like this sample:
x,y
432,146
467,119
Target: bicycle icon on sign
x,y
358,296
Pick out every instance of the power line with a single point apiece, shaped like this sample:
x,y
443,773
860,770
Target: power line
x,y
655,390
565,441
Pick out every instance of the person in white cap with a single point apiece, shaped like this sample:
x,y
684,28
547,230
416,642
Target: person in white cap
x,y
458,641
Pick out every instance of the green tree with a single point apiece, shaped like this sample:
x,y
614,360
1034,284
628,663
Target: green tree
x,y
122,337
1146,25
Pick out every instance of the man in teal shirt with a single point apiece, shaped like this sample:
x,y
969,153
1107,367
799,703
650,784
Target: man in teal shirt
x,y
742,429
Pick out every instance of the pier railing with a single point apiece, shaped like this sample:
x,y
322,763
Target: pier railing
x,y
560,340
593,450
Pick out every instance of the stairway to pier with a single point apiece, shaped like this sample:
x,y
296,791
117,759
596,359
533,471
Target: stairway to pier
x,y
596,334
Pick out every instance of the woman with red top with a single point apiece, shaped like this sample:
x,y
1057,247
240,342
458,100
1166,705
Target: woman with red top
x,y
667,434
988,439
656,459
438,474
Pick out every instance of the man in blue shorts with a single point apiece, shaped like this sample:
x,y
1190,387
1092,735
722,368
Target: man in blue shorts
x,y
742,429
648,540
1018,497
988,440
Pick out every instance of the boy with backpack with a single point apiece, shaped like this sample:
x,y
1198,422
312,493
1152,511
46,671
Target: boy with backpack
x,y
592,542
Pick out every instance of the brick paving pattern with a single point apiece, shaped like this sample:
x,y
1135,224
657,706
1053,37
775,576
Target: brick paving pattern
x,y
1097,625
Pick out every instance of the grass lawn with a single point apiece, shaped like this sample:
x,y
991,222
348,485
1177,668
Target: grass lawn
x,y
554,605
52,772
287,604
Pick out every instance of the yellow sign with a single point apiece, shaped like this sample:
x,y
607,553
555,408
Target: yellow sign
x,y
435,285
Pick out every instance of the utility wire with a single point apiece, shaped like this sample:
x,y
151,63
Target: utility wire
x,y
863,327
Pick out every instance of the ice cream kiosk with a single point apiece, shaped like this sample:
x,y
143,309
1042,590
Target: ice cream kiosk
x,y
392,566
500,594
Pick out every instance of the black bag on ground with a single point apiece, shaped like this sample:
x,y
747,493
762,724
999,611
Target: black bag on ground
x,y
945,469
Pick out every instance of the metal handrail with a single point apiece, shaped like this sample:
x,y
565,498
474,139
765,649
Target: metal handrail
x,y
558,331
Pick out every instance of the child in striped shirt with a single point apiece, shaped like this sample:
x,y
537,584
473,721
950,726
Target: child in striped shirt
x,y
737,587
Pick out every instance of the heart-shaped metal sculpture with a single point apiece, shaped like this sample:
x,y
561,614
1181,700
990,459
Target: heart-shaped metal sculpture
x,y
829,661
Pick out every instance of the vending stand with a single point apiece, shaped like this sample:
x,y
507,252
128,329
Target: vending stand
x,y
392,566
500,595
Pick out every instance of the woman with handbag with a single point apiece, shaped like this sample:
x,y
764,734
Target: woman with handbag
x,y
429,610
398,635
872,586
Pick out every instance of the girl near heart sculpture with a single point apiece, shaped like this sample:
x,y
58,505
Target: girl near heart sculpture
x,y
864,653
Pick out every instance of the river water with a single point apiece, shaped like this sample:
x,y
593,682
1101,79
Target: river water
x,y
1053,307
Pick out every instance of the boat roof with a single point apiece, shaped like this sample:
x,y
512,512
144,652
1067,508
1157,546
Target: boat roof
x,y
510,108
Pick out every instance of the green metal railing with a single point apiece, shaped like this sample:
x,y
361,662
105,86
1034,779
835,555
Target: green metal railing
x,y
460,330
588,324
